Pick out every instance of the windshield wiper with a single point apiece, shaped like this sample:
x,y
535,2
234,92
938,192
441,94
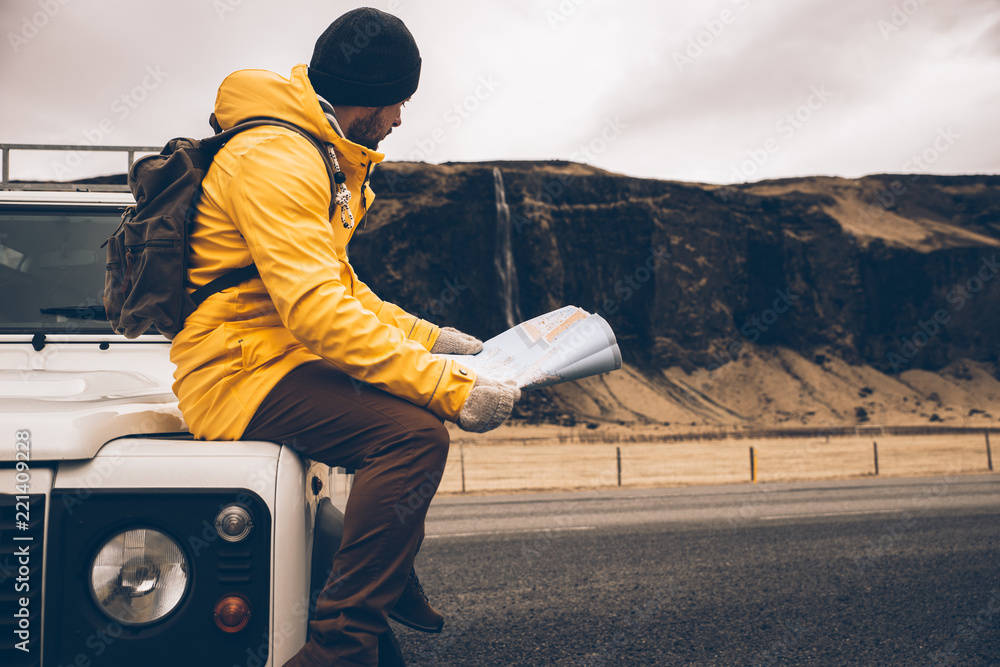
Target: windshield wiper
x,y
77,312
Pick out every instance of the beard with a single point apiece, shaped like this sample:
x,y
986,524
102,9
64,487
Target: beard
x,y
370,130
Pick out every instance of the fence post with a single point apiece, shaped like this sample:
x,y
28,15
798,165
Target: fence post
x,y
461,454
875,448
618,456
753,466
989,454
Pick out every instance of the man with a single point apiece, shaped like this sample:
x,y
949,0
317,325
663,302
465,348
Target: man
x,y
307,354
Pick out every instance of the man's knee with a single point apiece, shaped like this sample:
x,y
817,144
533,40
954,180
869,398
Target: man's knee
x,y
434,440
430,441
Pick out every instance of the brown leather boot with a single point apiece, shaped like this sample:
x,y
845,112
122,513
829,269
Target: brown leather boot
x,y
414,610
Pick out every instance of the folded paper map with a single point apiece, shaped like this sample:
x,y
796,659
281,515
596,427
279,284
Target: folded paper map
x,y
566,344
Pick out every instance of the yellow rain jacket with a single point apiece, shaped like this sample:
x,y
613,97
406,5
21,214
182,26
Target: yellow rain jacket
x,y
266,200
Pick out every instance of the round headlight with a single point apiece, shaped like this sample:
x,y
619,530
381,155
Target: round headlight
x,y
139,576
233,523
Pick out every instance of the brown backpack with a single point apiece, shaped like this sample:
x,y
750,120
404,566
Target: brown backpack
x,y
144,283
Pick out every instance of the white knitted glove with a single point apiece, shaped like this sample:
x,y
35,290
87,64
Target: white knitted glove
x,y
488,404
453,341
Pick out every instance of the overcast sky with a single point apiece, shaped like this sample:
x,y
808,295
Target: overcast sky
x,y
716,91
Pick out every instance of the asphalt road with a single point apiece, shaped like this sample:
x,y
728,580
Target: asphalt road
x,y
859,572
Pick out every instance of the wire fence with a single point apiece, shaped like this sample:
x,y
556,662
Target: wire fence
x,y
588,461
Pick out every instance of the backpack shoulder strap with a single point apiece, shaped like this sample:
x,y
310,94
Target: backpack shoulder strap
x,y
216,142
225,281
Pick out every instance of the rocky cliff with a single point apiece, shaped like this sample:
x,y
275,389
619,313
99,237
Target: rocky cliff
x,y
871,285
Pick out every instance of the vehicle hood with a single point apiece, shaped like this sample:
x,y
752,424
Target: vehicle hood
x,y
72,414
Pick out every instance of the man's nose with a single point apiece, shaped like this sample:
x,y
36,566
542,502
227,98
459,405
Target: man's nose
x,y
399,120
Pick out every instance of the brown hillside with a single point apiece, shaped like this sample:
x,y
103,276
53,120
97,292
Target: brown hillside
x,y
815,301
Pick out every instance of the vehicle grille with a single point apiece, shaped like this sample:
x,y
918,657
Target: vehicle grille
x,y
13,538
234,566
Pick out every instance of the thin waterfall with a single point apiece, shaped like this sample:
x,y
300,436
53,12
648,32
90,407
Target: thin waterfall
x,y
503,258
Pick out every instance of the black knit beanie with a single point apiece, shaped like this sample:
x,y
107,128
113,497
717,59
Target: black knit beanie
x,y
366,58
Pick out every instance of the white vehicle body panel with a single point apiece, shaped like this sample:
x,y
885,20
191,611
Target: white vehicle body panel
x,y
273,472
74,396
89,399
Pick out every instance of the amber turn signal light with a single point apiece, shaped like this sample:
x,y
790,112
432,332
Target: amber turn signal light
x,y
232,613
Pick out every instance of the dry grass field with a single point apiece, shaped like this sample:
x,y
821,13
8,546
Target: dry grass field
x,y
676,428
554,458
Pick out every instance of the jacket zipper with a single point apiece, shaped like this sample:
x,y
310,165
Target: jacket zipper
x,y
364,186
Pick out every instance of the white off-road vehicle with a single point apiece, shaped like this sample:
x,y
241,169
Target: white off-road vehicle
x,y
122,540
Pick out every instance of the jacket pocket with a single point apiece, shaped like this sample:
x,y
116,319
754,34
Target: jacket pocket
x,y
261,347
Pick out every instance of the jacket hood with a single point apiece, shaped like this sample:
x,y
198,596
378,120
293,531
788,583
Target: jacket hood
x,y
251,93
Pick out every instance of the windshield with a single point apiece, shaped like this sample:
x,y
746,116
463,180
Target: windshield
x,y
52,269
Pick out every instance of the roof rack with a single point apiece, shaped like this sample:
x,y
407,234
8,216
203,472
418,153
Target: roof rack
x,y
7,184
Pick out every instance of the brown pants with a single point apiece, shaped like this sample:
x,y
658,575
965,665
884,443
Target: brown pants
x,y
398,450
